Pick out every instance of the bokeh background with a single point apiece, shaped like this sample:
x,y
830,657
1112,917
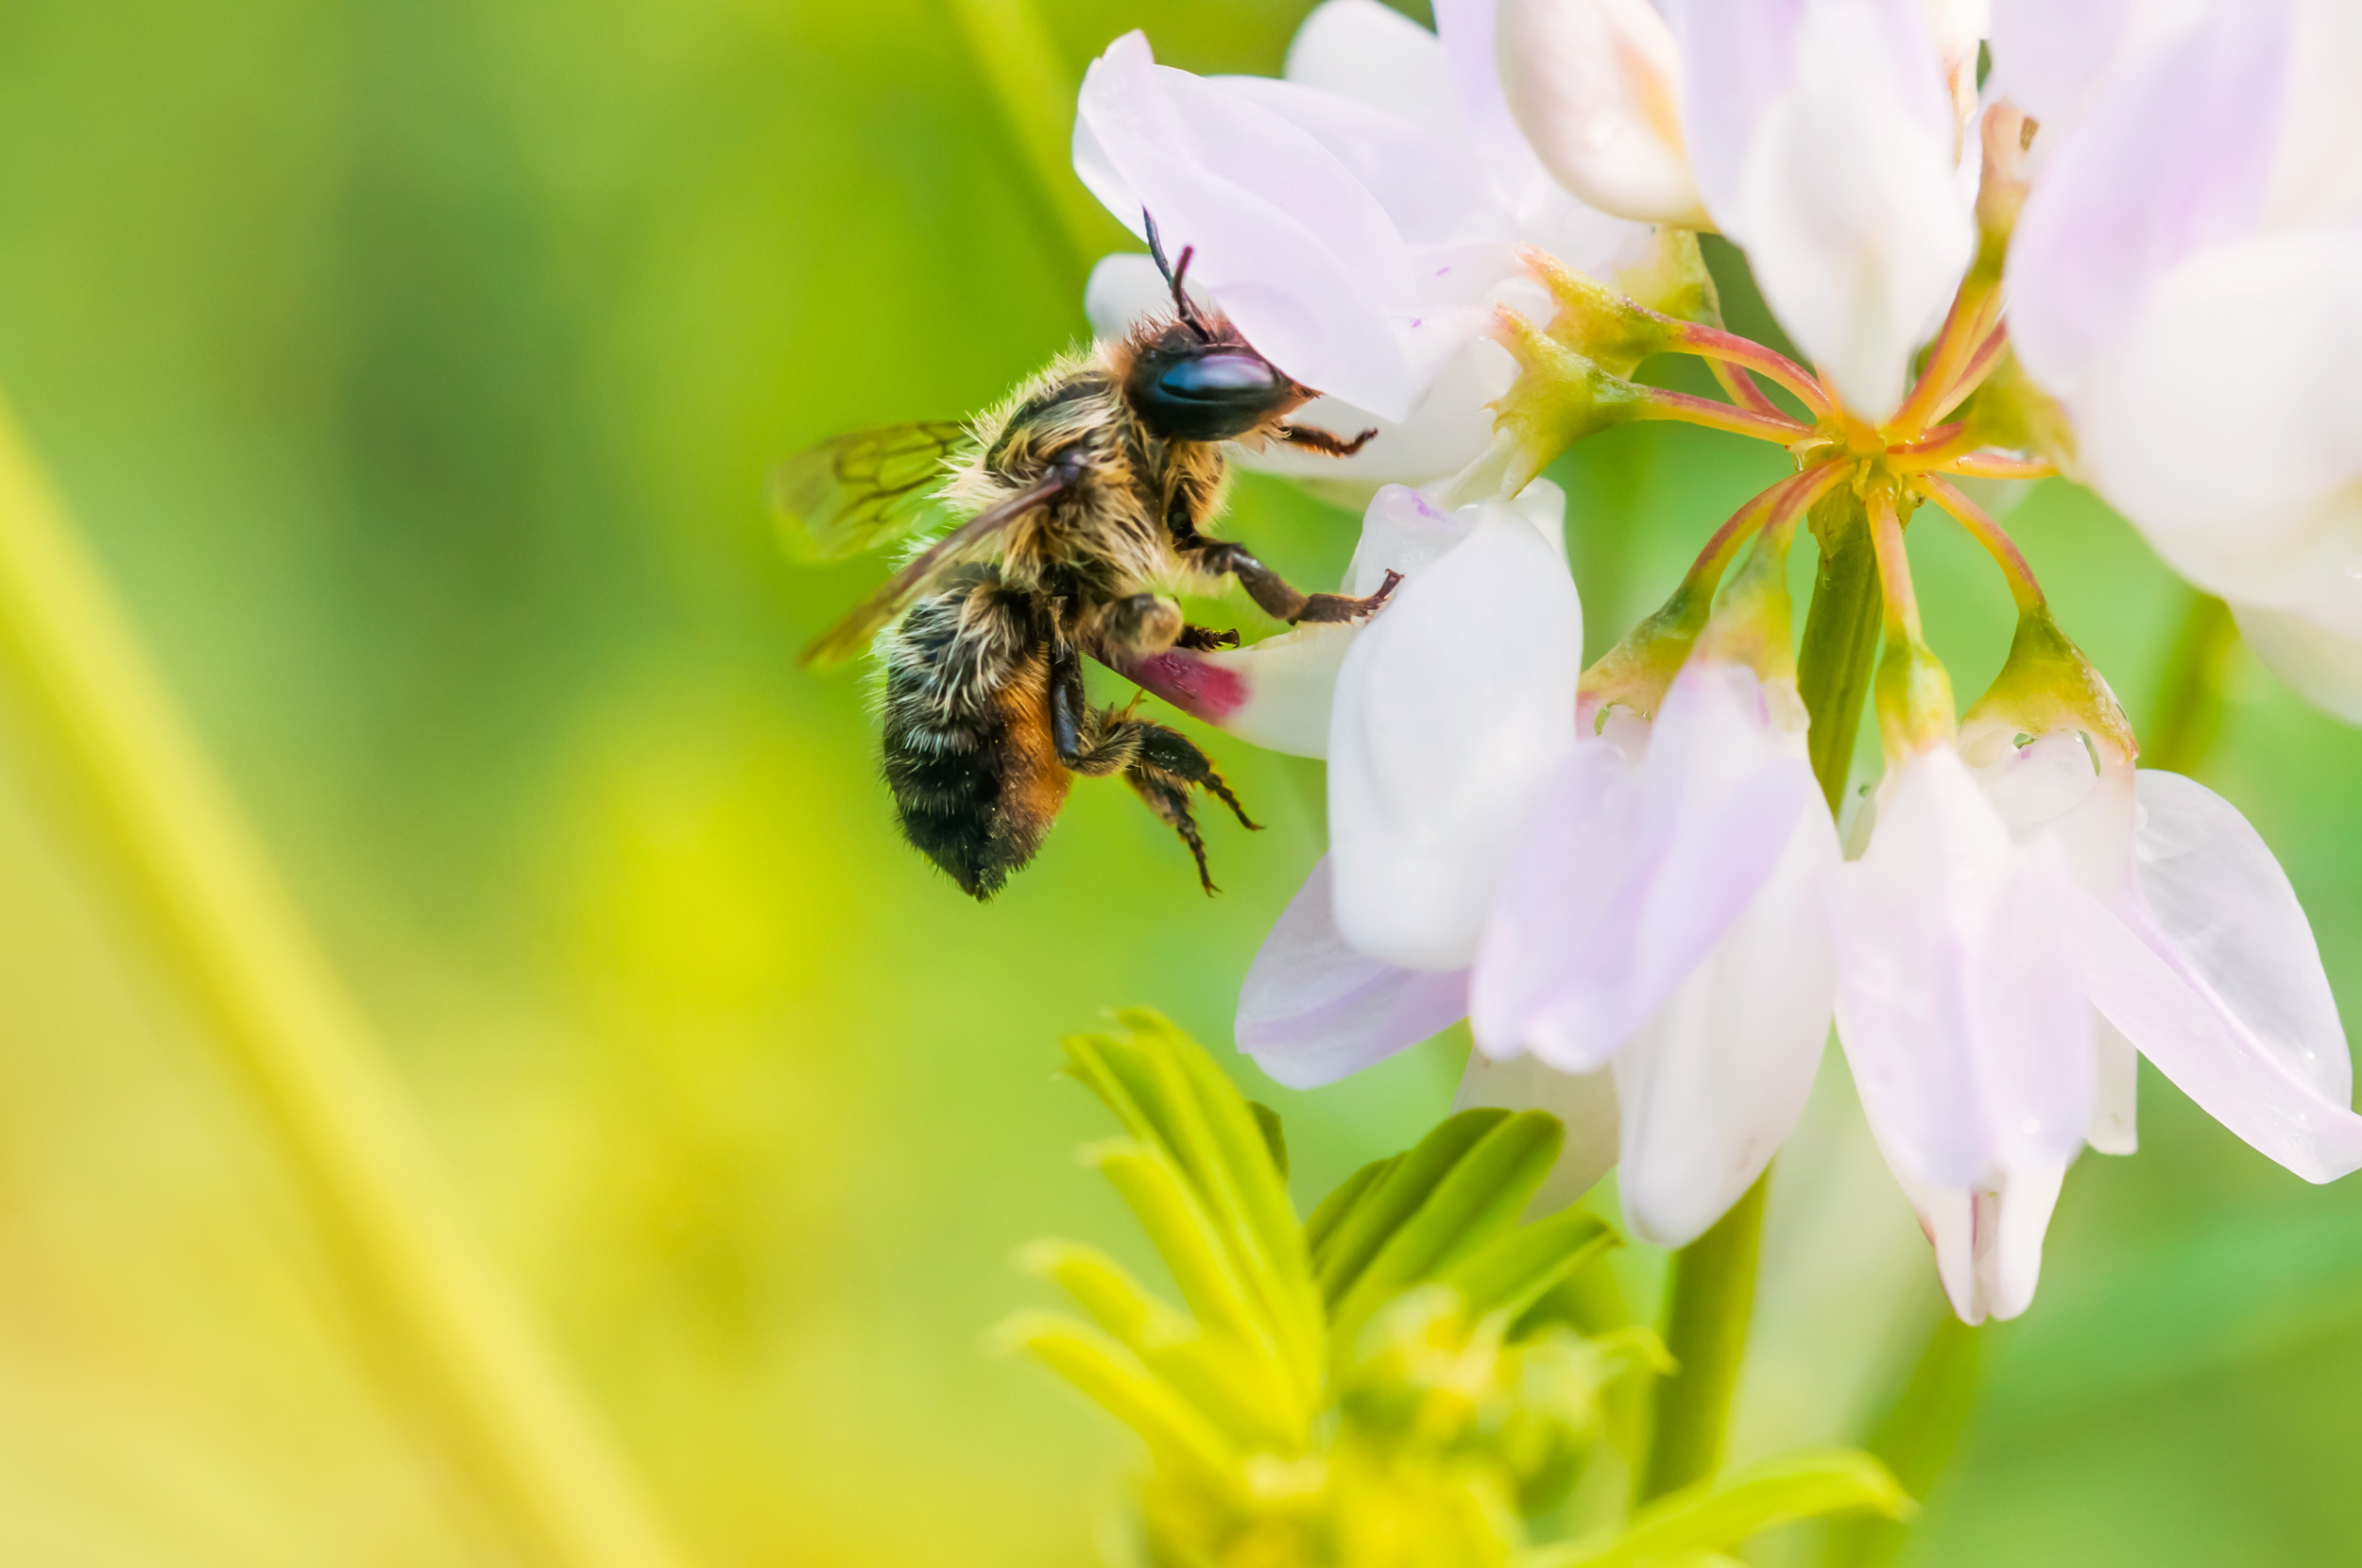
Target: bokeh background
x,y
414,368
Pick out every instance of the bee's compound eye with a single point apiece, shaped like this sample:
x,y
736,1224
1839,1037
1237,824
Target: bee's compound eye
x,y
1219,378
1209,395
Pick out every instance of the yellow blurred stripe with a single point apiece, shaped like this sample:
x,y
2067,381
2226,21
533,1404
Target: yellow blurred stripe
x,y
203,886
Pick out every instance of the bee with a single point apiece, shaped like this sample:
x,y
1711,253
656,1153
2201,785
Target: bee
x,y
1087,496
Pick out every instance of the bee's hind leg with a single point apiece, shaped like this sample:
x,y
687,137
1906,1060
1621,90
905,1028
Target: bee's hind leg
x,y
1165,768
1161,765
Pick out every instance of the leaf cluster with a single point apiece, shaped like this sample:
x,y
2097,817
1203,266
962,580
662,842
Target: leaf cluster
x,y
1397,1381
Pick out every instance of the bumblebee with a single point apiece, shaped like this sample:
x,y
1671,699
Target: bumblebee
x,y
1087,497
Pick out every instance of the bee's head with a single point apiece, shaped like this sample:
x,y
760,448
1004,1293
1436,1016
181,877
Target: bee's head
x,y
1195,379
1188,389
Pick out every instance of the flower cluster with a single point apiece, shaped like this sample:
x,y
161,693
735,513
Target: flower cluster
x,y
1628,877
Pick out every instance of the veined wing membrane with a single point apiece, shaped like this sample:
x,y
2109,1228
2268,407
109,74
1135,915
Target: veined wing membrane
x,y
852,634
863,491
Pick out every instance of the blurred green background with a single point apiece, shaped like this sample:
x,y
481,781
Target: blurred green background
x,y
414,368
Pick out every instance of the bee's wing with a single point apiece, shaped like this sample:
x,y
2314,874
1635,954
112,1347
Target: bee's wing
x,y
852,634
863,491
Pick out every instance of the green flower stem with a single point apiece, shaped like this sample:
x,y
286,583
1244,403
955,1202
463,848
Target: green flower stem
x,y
1709,1299
201,882
1711,1294
1036,95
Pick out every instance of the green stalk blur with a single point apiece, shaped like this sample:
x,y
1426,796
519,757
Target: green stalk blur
x,y
1019,61
200,880
1917,1436
1709,1299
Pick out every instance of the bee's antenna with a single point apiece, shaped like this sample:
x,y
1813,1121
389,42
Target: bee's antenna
x,y
1175,276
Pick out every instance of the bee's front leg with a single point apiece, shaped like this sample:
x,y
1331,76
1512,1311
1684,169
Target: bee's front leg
x,y
1275,594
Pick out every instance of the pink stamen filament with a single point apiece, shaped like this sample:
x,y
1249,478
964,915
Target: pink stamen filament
x,y
1657,404
1993,464
1776,507
1742,387
1894,567
1972,375
1712,342
1964,333
1988,533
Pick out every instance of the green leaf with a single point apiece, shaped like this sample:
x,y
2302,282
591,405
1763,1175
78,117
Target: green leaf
x,y
1231,1386
1275,1135
1333,1209
1511,1272
1115,1379
1170,1095
1481,1196
1398,1196
1715,1515
1187,1239
1228,1152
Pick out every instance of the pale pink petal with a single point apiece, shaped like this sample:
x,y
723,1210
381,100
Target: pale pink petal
x,y
1301,256
1846,202
1988,1239
1431,186
2070,783
1621,886
1469,32
1376,56
2171,158
1454,704
2212,971
1714,1084
2115,1092
1277,694
1736,57
2257,495
1959,1003
2317,171
1596,86
1584,1102
1312,1010
2046,54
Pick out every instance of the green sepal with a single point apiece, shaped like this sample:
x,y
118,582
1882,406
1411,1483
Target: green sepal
x,y
1715,1515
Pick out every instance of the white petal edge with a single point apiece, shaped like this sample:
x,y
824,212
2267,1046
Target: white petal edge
x,y
1584,1104
2213,973
1312,1010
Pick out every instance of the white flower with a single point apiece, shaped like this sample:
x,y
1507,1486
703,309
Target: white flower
x,y
2027,915
1962,1019
1355,220
2197,200
1823,136
1661,914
